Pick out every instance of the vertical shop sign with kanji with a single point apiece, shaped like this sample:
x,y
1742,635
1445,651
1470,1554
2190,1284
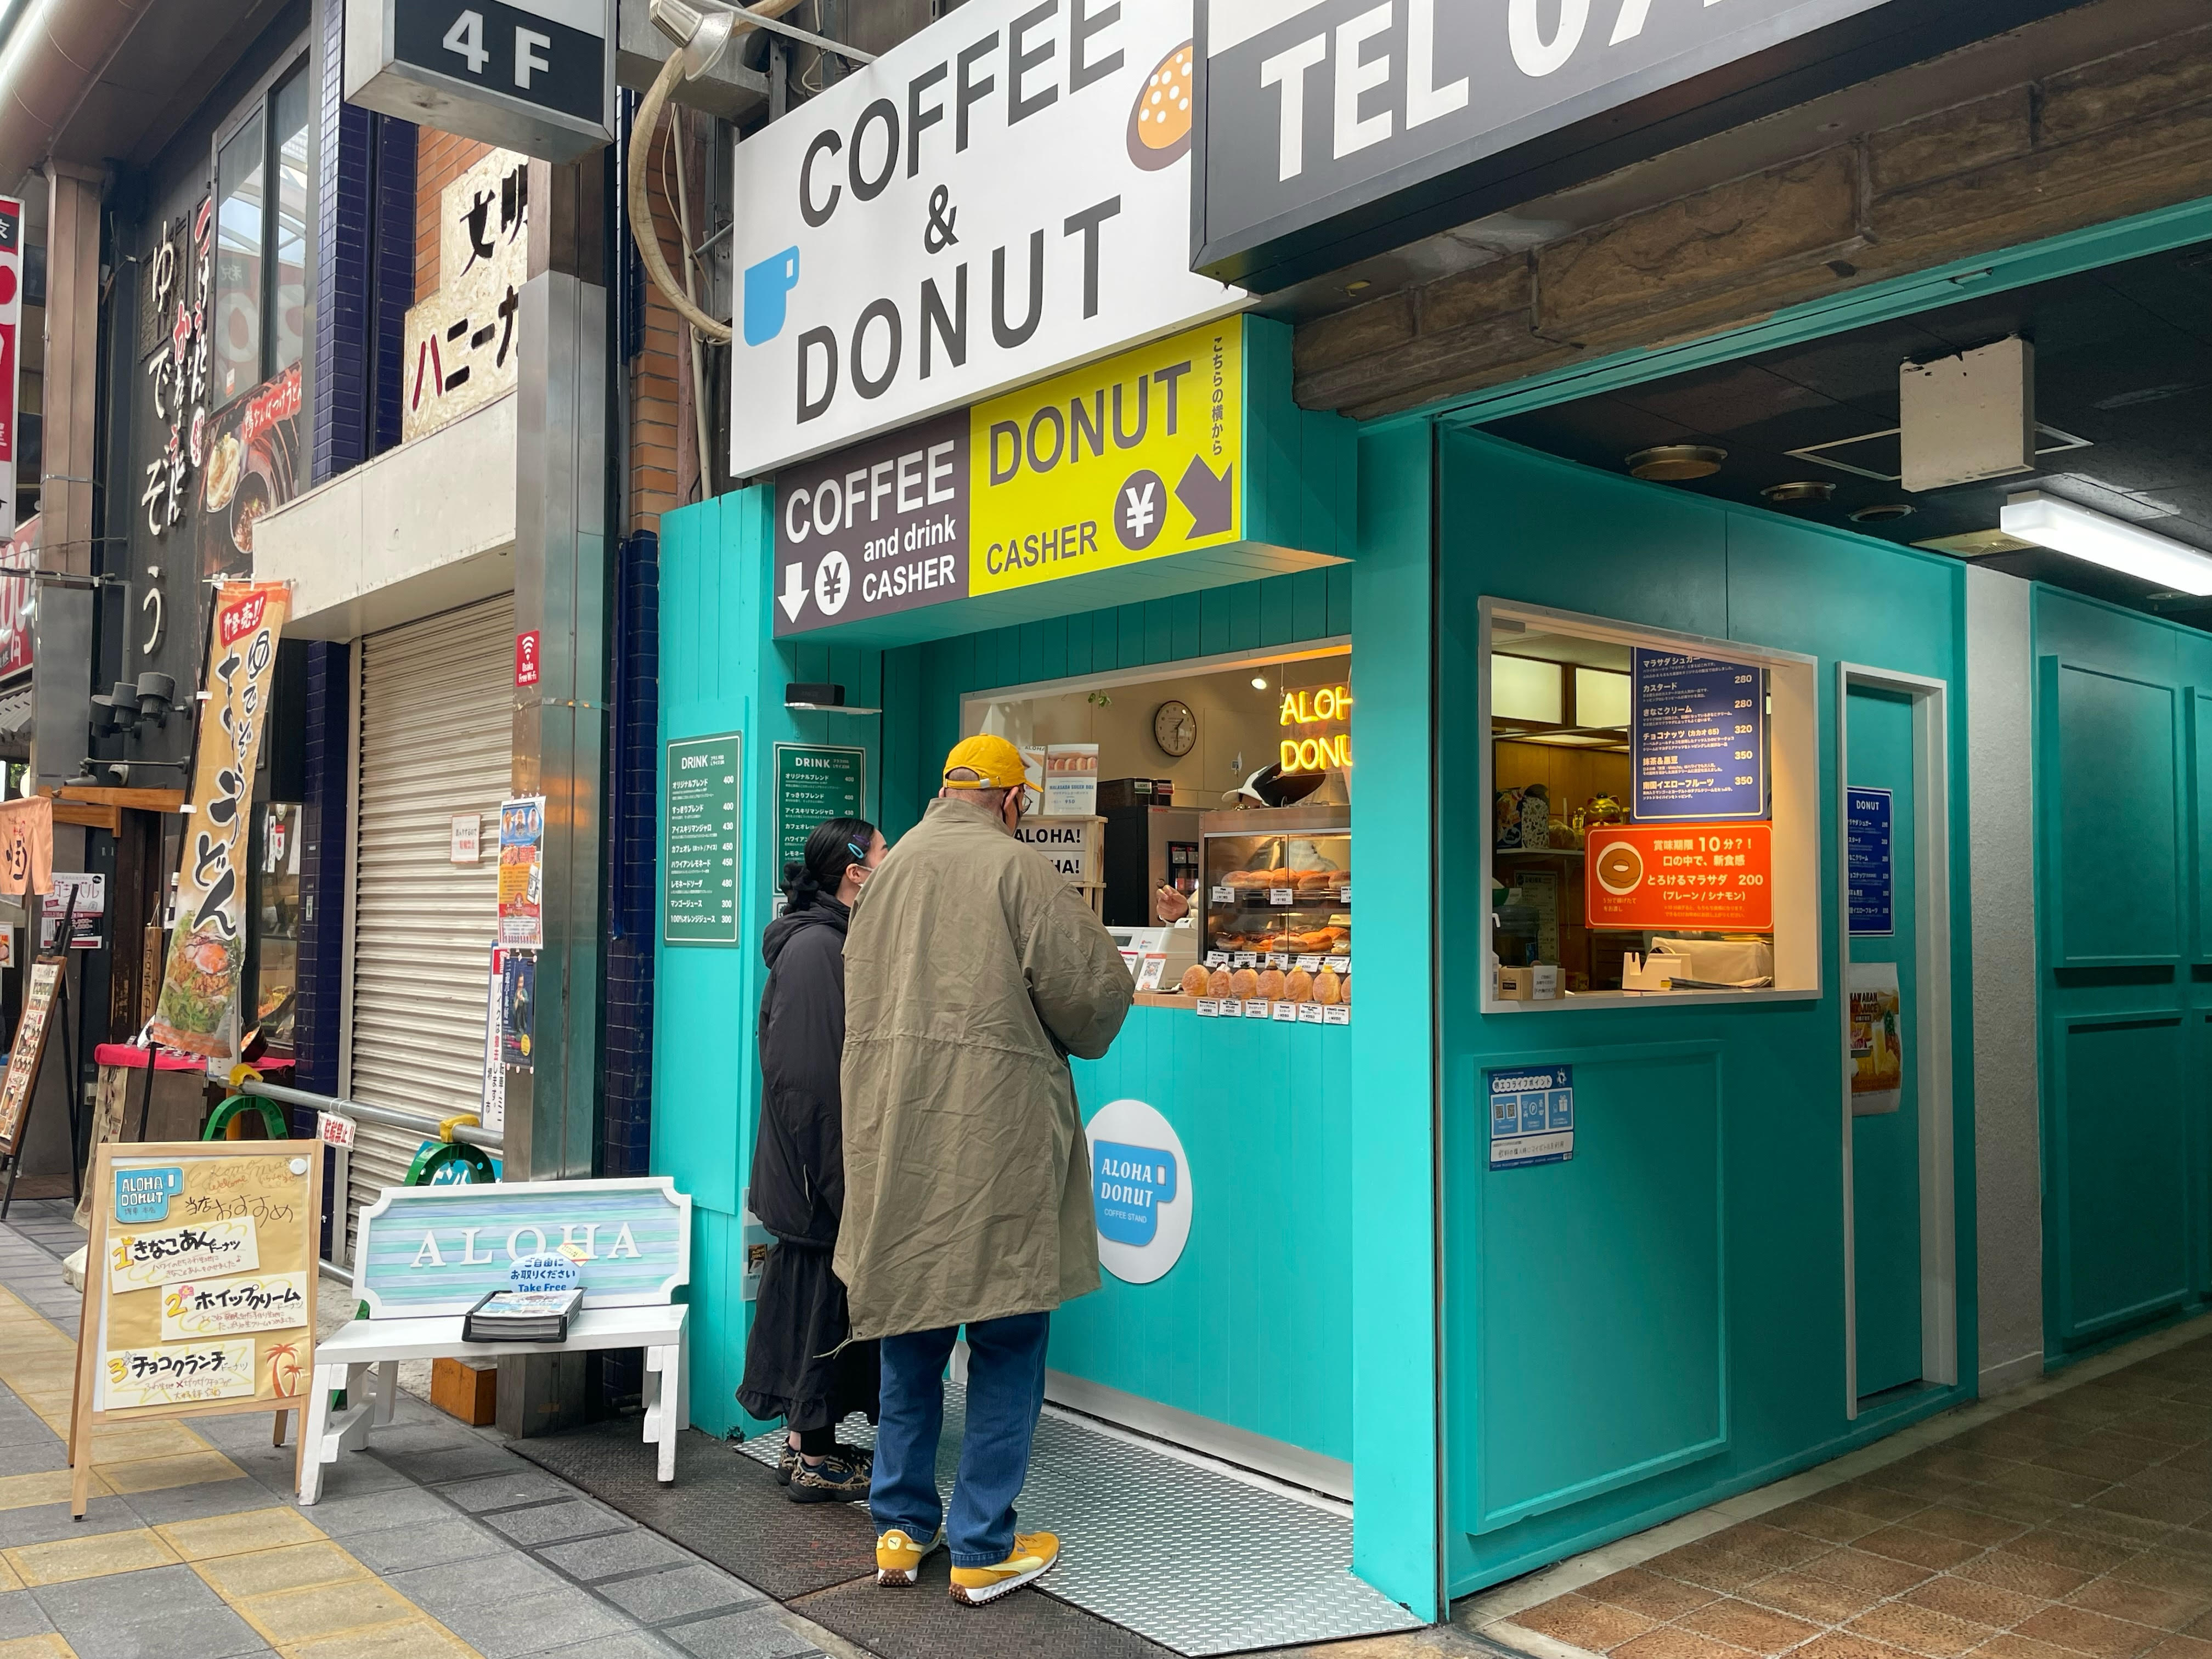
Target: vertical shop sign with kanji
x,y
460,341
181,278
11,330
200,985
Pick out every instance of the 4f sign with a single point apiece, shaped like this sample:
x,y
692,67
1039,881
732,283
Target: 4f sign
x,y
534,76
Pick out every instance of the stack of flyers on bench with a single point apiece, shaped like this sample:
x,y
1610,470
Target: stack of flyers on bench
x,y
522,1315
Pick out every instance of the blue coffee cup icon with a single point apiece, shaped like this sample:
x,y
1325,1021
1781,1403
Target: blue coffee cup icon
x,y
766,285
1128,1185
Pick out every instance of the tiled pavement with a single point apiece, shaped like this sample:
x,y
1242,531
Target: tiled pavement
x,y
2076,1526
438,1541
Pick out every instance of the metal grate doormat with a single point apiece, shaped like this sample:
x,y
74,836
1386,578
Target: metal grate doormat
x,y
1194,1560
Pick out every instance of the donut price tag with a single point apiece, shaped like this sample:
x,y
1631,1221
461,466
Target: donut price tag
x,y
1336,1014
1257,1008
1209,1008
1310,1013
1283,896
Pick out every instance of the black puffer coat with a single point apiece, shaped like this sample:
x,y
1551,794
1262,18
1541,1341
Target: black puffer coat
x,y
798,1366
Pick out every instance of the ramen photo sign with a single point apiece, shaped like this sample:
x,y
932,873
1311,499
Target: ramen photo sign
x,y
199,1285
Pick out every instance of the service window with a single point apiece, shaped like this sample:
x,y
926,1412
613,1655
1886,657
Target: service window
x,y
1653,801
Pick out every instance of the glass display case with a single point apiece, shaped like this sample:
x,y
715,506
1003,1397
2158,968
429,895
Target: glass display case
x,y
1278,881
274,936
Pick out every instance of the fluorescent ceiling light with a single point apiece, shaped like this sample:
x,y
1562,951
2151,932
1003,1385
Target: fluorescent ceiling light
x,y
2065,528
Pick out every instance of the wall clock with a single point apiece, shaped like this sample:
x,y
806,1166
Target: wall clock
x,y
1175,728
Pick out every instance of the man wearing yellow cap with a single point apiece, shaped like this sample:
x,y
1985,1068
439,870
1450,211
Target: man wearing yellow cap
x,y
972,971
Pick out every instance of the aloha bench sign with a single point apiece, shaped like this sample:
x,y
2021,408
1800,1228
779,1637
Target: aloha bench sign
x,y
427,1254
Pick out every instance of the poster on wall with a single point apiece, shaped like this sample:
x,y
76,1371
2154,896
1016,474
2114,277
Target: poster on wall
x,y
1698,749
199,987
1532,1116
814,783
491,1107
517,1012
83,900
1690,878
1877,1038
522,873
1871,881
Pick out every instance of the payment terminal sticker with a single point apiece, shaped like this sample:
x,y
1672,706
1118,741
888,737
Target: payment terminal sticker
x,y
1140,1191
1532,1116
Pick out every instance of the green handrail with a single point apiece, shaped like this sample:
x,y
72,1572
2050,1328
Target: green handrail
x,y
272,1118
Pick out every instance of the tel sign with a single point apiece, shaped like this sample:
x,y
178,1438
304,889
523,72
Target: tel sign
x,y
1140,1191
1004,194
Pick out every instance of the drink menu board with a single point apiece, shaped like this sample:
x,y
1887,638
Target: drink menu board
x,y
814,782
699,862
1700,738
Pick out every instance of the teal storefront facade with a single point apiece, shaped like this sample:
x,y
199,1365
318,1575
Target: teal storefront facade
x,y
1734,1278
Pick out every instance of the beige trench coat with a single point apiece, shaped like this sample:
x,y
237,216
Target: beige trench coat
x,y
972,970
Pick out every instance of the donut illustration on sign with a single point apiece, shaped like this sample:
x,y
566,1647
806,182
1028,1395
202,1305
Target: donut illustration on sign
x,y
1159,125
1619,869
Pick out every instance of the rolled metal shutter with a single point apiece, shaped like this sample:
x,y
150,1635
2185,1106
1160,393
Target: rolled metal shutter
x,y
436,735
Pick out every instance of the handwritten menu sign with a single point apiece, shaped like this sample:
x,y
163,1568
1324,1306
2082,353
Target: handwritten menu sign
x,y
30,1049
699,866
200,1295
1700,738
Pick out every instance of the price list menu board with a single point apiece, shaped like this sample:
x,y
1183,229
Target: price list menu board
x,y
1700,738
814,783
699,866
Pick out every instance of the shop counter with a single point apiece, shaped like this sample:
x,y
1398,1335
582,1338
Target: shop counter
x,y
1251,1325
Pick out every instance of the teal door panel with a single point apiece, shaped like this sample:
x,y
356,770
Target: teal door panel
x,y
2122,1183
2200,846
1252,1326
2113,805
1602,1289
1885,1147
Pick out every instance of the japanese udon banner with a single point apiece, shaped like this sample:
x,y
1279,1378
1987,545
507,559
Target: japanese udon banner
x,y
208,948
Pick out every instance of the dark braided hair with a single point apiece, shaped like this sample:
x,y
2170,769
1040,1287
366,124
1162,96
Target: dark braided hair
x,y
833,847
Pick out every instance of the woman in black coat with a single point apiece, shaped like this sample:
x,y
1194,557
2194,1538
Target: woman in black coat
x,y
798,1366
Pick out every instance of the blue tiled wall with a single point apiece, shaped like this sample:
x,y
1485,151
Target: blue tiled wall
x,y
633,859
324,837
364,271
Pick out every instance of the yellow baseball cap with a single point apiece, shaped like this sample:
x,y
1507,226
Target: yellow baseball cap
x,y
994,761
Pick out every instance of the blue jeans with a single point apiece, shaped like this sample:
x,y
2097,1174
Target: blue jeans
x,y
1005,1392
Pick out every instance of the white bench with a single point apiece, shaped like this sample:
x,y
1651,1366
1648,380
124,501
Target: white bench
x,y
364,1358
426,1254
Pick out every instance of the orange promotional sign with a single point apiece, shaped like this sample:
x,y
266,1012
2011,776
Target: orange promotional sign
x,y
1687,876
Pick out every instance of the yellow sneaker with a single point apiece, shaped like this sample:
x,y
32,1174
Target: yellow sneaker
x,y
1033,1557
899,1559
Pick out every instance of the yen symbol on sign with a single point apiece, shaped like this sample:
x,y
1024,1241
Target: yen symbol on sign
x,y
1140,510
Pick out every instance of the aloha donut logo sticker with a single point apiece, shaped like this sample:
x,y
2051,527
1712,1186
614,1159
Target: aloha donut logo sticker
x,y
1140,1191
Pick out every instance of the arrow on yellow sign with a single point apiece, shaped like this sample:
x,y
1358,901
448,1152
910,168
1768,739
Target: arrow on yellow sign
x,y
1211,500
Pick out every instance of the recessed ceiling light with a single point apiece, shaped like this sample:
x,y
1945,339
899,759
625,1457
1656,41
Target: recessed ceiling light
x,y
1675,463
1800,489
1882,513
2117,545
1976,543
1359,286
